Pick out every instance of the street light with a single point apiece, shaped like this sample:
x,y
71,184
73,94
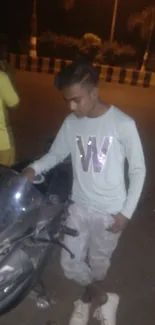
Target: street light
x,y
33,38
114,20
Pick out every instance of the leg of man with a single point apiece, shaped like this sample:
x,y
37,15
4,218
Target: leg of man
x,y
77,269
101,247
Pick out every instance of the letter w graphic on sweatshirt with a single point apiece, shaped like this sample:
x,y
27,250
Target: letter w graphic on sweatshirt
x,y
93,154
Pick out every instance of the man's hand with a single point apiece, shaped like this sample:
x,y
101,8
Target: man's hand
x,y
29,173
119,224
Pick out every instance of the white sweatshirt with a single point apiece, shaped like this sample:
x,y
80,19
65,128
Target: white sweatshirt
x,y
98,148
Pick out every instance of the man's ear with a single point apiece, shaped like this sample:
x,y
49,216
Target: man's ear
x,y
94,93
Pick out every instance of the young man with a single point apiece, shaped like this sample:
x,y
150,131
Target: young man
x,y
99,138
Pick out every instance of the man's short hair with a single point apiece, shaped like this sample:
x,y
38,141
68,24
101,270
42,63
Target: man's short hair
x,y
80,71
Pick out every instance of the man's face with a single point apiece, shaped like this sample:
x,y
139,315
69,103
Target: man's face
x,y
80,99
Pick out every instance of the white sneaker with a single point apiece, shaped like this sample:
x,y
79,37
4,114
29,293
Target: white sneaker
x,y
107,312
80,314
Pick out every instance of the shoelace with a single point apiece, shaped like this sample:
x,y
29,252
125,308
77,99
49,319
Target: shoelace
x,y
80,311
99,316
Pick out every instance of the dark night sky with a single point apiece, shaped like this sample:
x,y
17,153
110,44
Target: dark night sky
x,y
87,16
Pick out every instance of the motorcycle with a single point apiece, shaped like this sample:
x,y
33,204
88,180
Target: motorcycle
x,y
32,224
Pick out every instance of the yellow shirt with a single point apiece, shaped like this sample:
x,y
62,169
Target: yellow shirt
x,y
8,98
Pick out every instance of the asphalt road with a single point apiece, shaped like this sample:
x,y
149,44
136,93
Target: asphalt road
x,y
133,267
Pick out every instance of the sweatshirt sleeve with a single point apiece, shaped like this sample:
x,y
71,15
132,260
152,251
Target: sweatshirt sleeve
x,y
137,171
59,150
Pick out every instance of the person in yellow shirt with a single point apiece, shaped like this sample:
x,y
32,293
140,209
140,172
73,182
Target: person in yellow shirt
x,y
8,99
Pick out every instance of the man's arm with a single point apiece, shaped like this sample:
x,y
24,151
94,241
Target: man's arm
x,y
134,153
7,91
137,170
59,150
